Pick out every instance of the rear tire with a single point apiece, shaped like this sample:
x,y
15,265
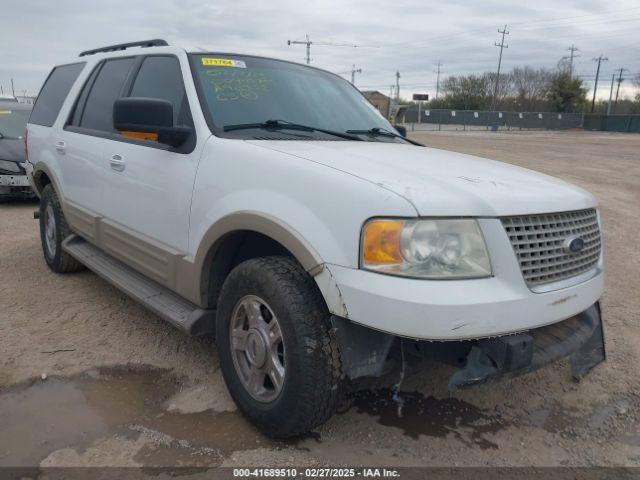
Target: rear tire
x,y
53,230
307,354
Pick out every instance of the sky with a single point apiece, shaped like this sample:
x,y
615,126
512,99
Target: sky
x,y
409,36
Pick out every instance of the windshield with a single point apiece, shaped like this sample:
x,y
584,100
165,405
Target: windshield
x,y
238,89
13,122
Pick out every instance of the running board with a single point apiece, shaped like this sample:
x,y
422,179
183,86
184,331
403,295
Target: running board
x,y
167,304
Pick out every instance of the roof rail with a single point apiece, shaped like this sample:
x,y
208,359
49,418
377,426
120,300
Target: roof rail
x,y
157,42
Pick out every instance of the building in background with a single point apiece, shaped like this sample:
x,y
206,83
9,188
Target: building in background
x,y
378,100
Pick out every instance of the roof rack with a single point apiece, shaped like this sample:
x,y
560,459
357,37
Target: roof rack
x,y
157,42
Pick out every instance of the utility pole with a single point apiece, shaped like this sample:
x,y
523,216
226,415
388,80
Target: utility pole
x,y
397,87
13,92
438,78
353,74
613,78
615,104
600,59
573,49
502,47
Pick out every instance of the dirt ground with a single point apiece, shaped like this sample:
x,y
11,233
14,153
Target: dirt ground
x,y
124,388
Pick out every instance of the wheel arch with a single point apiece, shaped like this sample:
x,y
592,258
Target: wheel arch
x,y
241,236
43,176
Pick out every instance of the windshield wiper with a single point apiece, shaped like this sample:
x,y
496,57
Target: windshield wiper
x,y
283,124
381,132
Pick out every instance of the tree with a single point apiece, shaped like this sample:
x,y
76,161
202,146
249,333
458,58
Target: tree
x,y
566,94
529,87
468,92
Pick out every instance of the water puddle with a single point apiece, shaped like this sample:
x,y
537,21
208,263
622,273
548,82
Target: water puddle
x,y
76,413
430,416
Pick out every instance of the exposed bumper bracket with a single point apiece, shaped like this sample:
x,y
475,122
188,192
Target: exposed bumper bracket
x,y
363,350
579,338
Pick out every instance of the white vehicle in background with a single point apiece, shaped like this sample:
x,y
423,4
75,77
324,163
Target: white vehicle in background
x,y
270,203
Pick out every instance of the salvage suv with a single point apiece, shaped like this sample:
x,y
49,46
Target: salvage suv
x,y
270,204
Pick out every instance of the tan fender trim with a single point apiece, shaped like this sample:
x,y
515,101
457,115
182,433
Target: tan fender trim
x,y
192,273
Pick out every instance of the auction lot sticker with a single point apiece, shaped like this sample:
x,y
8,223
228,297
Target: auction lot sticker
x,y
222,62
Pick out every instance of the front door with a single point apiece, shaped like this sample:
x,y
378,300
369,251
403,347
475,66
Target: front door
x,y
148,186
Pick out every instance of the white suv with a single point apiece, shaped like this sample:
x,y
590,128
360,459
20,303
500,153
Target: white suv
x,y
269,203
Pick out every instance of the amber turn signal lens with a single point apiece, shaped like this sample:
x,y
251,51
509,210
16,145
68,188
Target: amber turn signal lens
x,y
381,242
140,135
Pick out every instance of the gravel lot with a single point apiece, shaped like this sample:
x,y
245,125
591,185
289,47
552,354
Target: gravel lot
x,y
125,388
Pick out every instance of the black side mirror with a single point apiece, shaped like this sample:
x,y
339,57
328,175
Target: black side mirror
x,y
152,116
401,130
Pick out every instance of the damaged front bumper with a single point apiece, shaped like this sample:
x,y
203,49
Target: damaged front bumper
x,y
580,338
366,352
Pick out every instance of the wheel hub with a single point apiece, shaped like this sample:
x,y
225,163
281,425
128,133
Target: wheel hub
x,y
256,348
50,230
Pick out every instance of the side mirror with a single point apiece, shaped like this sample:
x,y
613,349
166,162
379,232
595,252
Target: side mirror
x,y
150,116
401,130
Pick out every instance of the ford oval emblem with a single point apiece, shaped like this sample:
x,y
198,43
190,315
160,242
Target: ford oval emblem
x,y
573,244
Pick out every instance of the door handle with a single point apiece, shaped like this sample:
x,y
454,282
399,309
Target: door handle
x,y
61,147
117,162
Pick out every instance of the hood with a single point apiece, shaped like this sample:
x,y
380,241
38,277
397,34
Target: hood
x,y
12,149
443,183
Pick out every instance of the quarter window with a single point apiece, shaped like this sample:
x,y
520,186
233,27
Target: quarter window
x,y
53,94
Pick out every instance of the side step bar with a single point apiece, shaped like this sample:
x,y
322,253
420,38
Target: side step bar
x,y
170,306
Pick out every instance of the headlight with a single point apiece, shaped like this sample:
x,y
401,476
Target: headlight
x,y
450,248
9,166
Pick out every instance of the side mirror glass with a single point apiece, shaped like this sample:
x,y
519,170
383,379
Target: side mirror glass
x,y
402,130
148,119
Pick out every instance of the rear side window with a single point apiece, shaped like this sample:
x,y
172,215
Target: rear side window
x,y
53,94
107,88
160,77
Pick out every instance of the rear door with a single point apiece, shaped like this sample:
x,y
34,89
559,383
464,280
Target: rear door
x,y
89,133
148,186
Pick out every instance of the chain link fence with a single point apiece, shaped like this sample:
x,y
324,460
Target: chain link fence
x,y
485,120
612,123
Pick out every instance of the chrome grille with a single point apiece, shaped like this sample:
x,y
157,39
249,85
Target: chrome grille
x,y
538,240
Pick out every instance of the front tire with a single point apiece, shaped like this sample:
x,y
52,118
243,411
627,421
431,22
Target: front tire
x,y
53,231
277,355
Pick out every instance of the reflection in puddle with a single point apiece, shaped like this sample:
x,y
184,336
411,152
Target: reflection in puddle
x,y
430,416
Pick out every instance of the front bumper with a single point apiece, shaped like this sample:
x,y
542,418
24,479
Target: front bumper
x,y
15,185
580,338
367,353
462,309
